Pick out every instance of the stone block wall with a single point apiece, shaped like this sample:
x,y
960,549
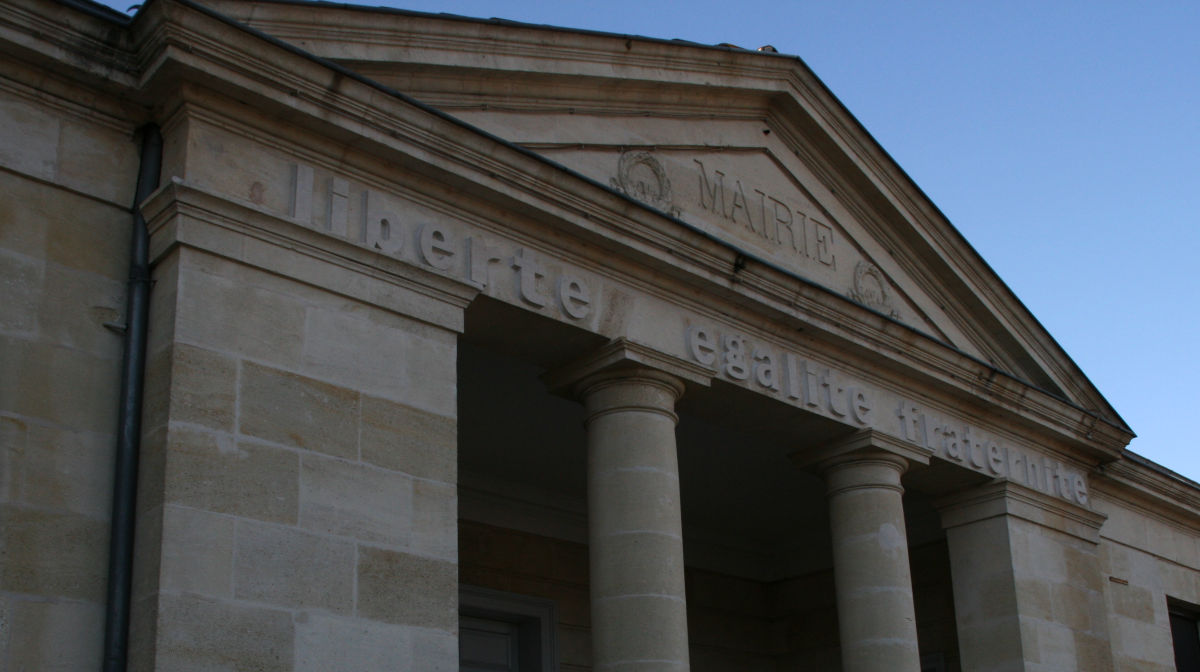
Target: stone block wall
x,y
728,622
1061,603
536,566
67,174
1146,559
297,497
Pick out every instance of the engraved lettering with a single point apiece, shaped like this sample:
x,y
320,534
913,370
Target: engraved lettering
x,y
715,201
912,420
834,401
735,358
765,373
902,416
434,244
951,446
974,449
784,220
931,435
381,237
860,407
824,240
762,212
702,346
300,207
382,229
573,296
1017,465
740,206
995,459
1034,477
528,272
1062,483
795,383
480,257
781,224
338,216
812,386
829,392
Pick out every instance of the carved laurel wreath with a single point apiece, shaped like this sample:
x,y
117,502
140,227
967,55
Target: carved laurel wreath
x,y
871,289
659,195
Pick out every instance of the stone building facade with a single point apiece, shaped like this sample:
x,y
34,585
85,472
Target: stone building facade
x,y
474,343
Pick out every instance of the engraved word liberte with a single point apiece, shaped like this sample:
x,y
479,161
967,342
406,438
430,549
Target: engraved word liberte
x,y
437,246
824,390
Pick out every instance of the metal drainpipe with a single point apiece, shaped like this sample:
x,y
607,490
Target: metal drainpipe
x,y
129,419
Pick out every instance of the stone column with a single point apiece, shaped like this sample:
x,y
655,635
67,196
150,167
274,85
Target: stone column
x,y
635,531
876,619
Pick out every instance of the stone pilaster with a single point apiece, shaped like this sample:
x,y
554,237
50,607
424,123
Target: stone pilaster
x,y
1028,592
298,486
876,618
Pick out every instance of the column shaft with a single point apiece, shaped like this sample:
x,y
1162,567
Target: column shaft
x,y
639,613
876,619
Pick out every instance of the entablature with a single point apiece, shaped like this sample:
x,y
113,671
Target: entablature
x,y
1159,491
575,218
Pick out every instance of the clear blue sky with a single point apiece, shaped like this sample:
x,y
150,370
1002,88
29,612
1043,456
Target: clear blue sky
x,y
1062,138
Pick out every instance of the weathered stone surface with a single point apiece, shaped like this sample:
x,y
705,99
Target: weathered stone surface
x,y
355,500
20,284
435,517
219,309
53,554
205,635
203,387
74,307
396,587
218,473
89,150
402,438
55,468
30,138
299,487
1027,593
435,650
325,643
197,552
51,636
383,355
285,567
58,385
298,411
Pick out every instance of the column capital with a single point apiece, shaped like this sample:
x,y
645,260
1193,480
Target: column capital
x,y
1005,498
876,616
635,525
623,359
867,444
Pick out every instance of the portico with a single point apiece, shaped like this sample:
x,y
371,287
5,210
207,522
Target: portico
x,y
487,346
756,528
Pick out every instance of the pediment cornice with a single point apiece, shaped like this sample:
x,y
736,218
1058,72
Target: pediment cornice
x,y
460,65
184,48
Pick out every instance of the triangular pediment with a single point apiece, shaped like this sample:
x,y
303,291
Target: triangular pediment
x,y
775,211
750,149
